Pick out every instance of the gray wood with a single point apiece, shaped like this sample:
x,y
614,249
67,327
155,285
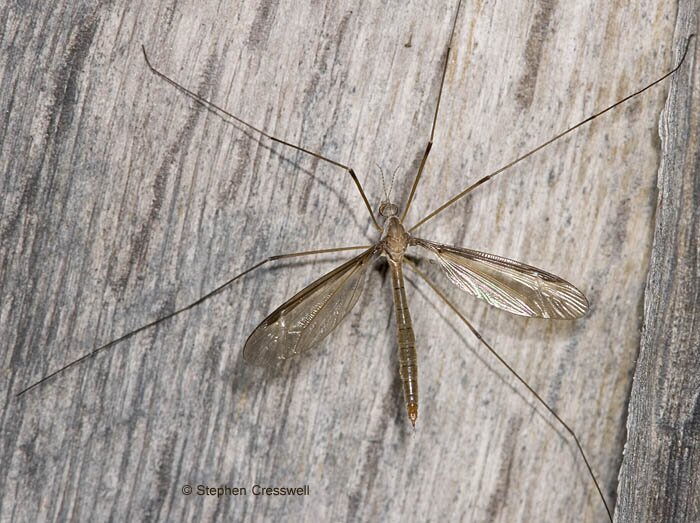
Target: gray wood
x,y
122,200
660,474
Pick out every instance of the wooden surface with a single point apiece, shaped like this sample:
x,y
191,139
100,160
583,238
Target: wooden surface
x,y
123,200
663,446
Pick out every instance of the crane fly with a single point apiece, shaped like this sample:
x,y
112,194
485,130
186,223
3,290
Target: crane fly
x,y
303,321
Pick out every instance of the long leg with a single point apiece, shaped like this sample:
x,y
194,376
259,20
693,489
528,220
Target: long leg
x,y
211,105
186,308
435,117
550,141
568,429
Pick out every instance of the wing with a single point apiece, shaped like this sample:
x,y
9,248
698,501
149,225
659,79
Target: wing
x,y
509,285
304,320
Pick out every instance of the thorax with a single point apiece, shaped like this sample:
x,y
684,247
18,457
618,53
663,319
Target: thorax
x,y
395,239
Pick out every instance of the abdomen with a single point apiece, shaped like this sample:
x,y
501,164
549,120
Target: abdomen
x,y
408,361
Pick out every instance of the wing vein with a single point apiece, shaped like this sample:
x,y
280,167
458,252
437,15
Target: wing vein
x,y
309,316
508,284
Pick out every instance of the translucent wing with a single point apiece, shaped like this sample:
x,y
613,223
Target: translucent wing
x,y
304,320
509,285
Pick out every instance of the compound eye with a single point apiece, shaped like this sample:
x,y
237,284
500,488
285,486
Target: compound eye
x,y
388,209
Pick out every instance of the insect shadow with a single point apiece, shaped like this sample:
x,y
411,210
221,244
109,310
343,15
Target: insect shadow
x,y
309,316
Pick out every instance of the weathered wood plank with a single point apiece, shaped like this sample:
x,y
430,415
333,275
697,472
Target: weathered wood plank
x,y
123,200
660,475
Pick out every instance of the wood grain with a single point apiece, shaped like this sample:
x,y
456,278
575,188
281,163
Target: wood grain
x,y
660,474
123,200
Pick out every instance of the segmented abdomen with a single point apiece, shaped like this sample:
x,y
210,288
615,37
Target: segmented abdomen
x,y
408,360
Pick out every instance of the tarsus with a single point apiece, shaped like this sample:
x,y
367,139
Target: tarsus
x,y
550,141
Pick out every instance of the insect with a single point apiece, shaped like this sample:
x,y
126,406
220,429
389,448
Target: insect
x,y
308,317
